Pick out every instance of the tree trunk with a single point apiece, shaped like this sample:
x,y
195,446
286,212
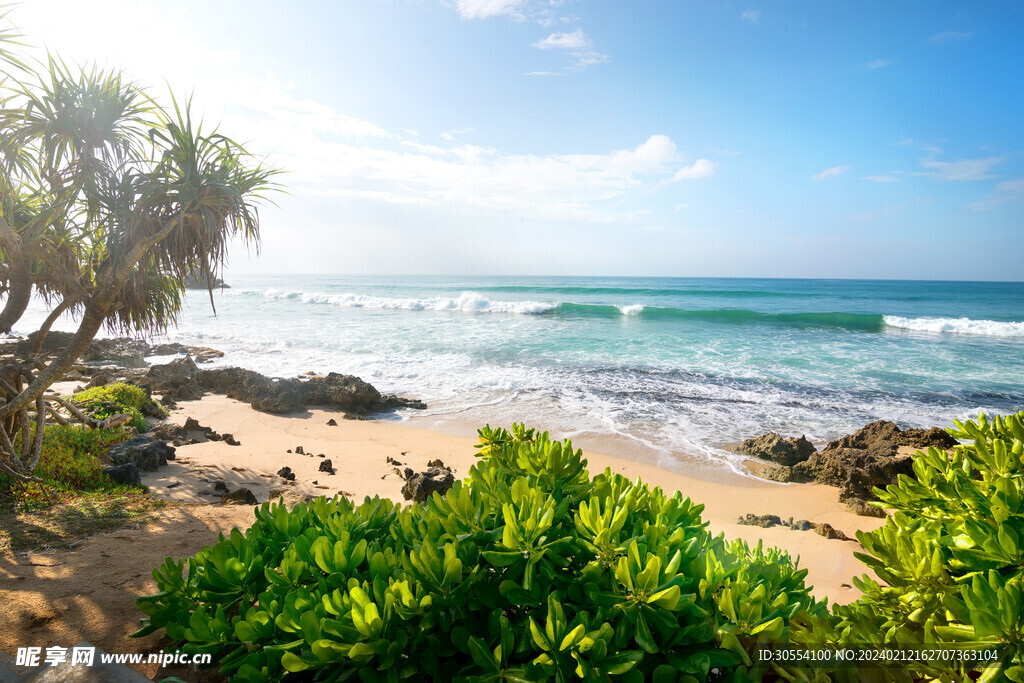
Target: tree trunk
x,y
18,294
44,329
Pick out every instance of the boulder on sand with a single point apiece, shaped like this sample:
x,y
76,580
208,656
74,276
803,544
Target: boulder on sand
x,y
860,461
773,447
421,485
145,452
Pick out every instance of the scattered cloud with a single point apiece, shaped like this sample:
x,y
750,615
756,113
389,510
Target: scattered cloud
x,y
680,207
878,64
483,9
456,132
578,44
831,172
881,178
961,170
702,168
1004,193
946,37
577,40
752,15
552,187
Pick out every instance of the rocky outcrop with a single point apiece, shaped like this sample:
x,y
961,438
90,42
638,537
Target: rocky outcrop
x,y
197,282
885,438
144,452
773,447
241,496
122,351
421,485
126,473
767,521
185,381
858,462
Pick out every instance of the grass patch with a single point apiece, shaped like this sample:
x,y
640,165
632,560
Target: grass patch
x,y
73,518
117,399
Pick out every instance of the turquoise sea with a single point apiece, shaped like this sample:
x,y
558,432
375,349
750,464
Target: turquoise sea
x,y
671,365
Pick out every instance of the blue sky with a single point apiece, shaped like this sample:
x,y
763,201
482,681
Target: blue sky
x,y
783,139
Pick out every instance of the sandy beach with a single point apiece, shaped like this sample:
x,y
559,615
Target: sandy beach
x,y
61,597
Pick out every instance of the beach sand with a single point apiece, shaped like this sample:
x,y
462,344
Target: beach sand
x,y
61,597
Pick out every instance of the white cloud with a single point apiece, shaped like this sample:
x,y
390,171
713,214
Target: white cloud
x,y
878,64
752,15
1005,192
831,172
702,168
881,178
483,9
960,170
577,40
946,37
578,44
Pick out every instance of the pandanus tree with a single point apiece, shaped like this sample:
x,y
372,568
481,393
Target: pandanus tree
x,y
108,203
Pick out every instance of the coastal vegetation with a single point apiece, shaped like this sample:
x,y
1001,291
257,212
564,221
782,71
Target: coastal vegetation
x,y
109,202
531,569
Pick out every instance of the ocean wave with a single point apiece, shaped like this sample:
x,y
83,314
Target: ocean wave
x,y
988,328
467,302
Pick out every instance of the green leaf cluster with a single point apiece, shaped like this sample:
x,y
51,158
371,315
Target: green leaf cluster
x,y
69,463
949,560
528,570
119,398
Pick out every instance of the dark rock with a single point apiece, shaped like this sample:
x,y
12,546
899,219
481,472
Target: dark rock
x,y
241,496
176,434
230,440
220,486
764,521
773,447
859,462
332,422
801,525
129,353
201,354
286,473
884,438
828,531
435,463
126,473
421,485
204,282
327,466
392,461
299,450
145,452
861,507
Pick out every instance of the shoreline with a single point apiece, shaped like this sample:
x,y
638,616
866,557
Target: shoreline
x,y
359,451
61,597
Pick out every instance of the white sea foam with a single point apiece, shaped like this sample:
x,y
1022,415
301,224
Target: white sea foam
x,y
466,302
990,328
633,309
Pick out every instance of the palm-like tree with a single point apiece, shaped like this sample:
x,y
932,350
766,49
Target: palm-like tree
x,y
108,202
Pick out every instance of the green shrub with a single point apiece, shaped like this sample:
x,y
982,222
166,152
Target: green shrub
x,y
117,399
950,559
528,570
69,462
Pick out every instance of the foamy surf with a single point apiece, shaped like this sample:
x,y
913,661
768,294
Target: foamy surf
x,y
467,302
988,328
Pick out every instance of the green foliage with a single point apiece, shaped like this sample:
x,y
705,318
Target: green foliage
x,y
69,463
119,398
950,558
529,570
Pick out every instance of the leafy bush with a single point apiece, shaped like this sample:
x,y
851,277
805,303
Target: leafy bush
x,y
119,398
950,558
528,570
69,462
